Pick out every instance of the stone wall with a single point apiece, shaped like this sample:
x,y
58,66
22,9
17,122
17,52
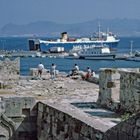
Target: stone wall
x,y
9,70
18,118
130,91
128,130
119,89
53,124
109,86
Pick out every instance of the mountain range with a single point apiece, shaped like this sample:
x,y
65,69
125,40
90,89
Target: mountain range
x,y
121,27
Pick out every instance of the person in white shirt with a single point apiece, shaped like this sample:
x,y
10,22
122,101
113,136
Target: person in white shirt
x,y
92,73
75,70
40,69
76,67
88,74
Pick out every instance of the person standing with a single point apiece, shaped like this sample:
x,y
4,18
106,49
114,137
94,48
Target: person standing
x,y
76,67
40,69
53,71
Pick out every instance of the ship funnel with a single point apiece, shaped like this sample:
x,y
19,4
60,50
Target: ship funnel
x,y
64,36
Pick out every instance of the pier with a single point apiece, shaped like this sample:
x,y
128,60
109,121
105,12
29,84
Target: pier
x,y
58,55
30,54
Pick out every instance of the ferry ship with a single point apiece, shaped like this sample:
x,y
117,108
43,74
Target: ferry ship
x,y
67,44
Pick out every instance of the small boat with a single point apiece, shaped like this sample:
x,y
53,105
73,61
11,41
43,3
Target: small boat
x,y
38,54
133,56
72,55
97,53
1,56
137,53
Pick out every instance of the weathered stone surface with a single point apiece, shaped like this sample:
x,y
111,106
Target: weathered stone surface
x,y
110,84
108,87
9,70
130,91
125,130
23,118
64,126
138,122
14,106
120,85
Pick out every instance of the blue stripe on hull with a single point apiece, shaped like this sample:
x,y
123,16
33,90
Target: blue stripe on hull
x,y
68,46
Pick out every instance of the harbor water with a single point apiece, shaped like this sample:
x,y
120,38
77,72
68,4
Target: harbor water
x,y
19,43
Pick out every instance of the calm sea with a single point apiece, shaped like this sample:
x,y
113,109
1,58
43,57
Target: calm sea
x,y
18,43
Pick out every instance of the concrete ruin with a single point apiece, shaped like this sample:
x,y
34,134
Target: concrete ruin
x,y
70,109
18,118
120,89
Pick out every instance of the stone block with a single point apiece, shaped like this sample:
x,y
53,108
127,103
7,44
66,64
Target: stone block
x,y
28,102
110,84
122,136
99,136
135,132
138,123
75,136
40,107
2,107
13,108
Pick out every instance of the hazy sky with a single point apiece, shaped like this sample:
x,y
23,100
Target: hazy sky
x,y
66,11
